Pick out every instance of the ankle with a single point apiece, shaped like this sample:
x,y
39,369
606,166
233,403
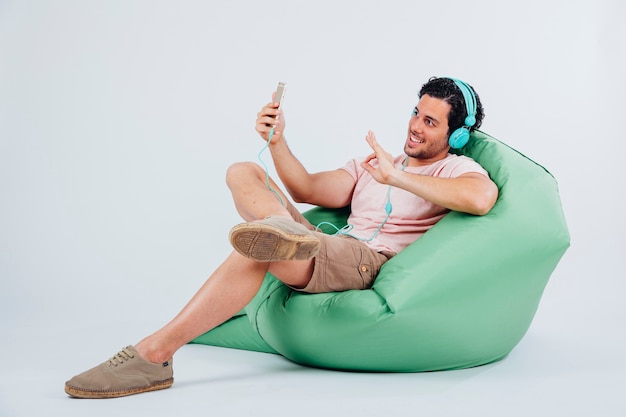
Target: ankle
x,y
152,352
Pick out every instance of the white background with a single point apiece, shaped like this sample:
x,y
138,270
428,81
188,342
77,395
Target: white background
x,y
119,118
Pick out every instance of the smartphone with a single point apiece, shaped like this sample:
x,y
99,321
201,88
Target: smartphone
x,y
280,93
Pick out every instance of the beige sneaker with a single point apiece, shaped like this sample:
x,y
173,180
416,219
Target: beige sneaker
x,y
274,239
126,373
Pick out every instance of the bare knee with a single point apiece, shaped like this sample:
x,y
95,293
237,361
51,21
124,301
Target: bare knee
x,y
242,172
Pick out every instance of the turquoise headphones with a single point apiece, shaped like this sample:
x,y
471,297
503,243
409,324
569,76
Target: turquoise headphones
x,y
459,137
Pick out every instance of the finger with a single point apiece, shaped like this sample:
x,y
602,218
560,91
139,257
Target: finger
x,y
269,110
378,149
273,104
369,157
263,130
264,124
367,167
371,140
266,121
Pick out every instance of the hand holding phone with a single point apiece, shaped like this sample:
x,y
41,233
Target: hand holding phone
x,y
269,112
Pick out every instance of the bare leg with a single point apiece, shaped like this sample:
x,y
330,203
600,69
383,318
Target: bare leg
x,y
233,284
236,281
230,288
252,198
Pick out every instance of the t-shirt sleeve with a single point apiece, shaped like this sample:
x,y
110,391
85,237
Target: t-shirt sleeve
x,y
353,167
459,166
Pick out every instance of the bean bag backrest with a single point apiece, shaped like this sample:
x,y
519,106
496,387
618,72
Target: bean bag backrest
x,y
462,295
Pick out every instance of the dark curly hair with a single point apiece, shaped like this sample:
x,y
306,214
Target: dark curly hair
x,y
447,90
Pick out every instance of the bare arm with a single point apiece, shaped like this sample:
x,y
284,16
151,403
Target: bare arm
x,y
472,193
327,189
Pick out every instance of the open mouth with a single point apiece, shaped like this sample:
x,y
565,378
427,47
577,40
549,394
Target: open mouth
x,y
415,139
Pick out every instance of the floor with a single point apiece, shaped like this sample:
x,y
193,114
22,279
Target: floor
x,y
552,372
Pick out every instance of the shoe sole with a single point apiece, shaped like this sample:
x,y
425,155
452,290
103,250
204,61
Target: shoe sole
x,y
91,394
265,243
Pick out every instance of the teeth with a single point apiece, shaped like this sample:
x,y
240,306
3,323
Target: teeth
x,y
414,139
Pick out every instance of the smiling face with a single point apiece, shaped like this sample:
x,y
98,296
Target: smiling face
x,y
427,138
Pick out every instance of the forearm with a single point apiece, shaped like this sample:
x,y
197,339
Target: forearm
x,y
470,193
296,179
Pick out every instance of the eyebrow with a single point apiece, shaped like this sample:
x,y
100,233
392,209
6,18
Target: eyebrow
x,y
432,119
428,117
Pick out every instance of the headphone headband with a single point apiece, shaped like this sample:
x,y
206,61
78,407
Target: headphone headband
x,y
460,136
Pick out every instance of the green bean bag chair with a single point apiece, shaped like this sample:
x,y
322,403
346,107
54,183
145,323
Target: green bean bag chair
x,y
462,295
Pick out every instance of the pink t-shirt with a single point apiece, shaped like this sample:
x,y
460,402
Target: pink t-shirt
x,y
411,216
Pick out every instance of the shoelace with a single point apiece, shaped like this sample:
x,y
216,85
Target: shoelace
x,y
121,357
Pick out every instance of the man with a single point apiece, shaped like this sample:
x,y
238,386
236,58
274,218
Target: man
x,y
424,184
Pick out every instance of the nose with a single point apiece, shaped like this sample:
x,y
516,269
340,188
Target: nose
x,y
416,124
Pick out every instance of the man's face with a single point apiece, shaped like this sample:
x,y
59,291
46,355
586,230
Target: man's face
x,y
427,139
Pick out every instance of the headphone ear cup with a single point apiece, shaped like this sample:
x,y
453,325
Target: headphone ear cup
x,y
459,138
